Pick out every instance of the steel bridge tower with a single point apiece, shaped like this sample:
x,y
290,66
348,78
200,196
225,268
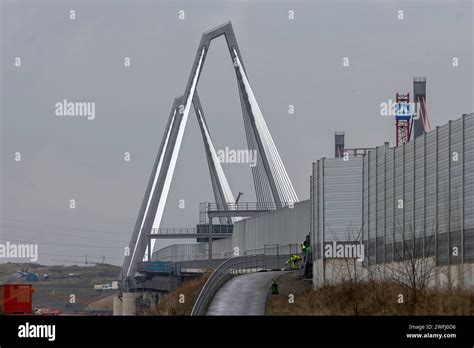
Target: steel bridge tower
x,y
271,180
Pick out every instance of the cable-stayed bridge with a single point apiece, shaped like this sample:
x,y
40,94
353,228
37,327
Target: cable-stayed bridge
x,y
271,181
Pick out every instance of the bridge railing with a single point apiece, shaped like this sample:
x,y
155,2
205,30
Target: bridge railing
x,y
248,206
230,267
241,206
173,230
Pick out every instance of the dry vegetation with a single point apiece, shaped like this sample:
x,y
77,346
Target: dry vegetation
x,y
170,304
366,298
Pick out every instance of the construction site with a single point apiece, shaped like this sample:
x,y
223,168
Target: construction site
x,y
173,170
404,212
299,158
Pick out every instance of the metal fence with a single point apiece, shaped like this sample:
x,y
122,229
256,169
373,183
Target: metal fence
x,y
173,230
241,206
421,192
230,267
418,195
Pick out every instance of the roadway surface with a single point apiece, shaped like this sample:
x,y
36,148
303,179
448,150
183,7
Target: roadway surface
x,y
243,295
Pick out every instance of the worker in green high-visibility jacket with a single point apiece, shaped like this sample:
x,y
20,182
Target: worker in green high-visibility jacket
x,y
305,247
293,261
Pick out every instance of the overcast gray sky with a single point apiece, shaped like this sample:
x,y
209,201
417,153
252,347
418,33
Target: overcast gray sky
x,y
296,62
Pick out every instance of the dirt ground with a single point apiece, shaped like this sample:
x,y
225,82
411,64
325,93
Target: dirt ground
x,y
65,284
365,298
291,283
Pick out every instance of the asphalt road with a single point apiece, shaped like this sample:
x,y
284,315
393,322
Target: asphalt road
x,y
243,295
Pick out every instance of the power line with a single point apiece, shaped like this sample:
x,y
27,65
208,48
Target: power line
x,y
61,244
59,233
82,256
61,226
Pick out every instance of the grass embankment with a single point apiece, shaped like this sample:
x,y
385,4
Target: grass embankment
x,y
365,298
181,300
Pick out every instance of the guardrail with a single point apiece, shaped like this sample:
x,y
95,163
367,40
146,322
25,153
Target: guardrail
x,y
230,267
206,208
241,206
244,206
173,230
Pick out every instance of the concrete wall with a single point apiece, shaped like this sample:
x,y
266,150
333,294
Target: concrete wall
x,y
332,271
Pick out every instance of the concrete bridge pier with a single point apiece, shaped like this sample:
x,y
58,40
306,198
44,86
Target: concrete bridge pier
x,y
128,303
117,306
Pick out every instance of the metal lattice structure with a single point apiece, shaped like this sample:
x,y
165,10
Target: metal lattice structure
x,y
271,180
403,124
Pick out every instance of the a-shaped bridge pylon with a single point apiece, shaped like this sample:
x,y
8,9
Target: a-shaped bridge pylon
x,y
271,180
